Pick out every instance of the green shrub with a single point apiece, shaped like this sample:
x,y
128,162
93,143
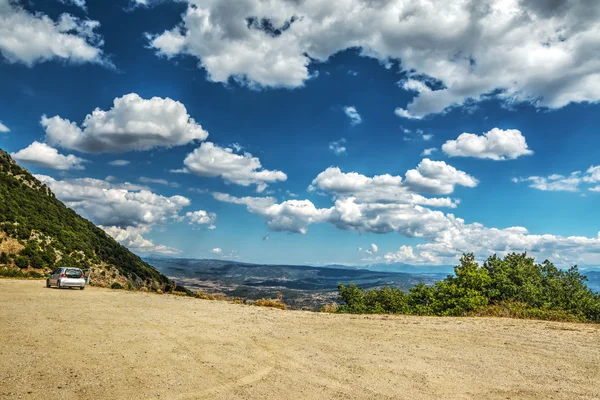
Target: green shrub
x,y
514,286
12,273
116,285
22,261
34,274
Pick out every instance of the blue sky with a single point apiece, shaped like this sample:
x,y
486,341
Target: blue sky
x,y
284,132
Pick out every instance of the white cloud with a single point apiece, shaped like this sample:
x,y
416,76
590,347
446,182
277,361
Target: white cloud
x,y
76,3
437,177
3,128
338,147
402,113
561,183
30,38
354,116
164,182
216,250
42,155
289,216
202,217
119,163
497,144
110,204
554,183
125,211
454,51
131,237
383,204
211,160
592,174
132,123
372,250
428,152
378,189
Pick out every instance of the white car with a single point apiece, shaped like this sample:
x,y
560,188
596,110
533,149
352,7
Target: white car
x,y
66,278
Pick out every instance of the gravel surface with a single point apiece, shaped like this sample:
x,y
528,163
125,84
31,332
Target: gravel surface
x,y
107,344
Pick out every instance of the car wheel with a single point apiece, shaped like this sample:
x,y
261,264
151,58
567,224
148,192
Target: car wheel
x,y
47,283
58,285
81,288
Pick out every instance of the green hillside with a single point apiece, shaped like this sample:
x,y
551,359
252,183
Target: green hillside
x,y
39,233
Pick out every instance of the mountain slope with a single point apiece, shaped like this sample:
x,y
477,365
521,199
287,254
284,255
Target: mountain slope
x,y
39,233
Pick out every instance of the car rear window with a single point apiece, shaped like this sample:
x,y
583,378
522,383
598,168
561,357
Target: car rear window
x,y
74,273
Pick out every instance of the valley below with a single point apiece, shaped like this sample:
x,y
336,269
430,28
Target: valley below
x,y
301,287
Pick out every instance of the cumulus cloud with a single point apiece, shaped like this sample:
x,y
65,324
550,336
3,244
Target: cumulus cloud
x,y
42,155
372,250
386,204
119,163
290,216
454,52
354,116
561,183
30,38
437,177
378,189
3,128
338,147
592,174
125,211
216,250
131,237
428,152
109,204
133,123
202,217
497,144
211,160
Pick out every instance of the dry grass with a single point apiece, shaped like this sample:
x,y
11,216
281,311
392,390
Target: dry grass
x,y
330,308
210,296
272,303
10,245
521,311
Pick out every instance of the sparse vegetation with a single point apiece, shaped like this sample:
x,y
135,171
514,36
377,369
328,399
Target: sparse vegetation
x,y
330,308
116,285
210,296
514,286
39,231
272,303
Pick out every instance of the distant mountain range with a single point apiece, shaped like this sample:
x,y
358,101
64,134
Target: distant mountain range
x,y
301,286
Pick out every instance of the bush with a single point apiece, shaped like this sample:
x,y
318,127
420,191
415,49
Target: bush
x,y
514,286
116,285
210,296
272,303
12,273
34,274
330,308
22,261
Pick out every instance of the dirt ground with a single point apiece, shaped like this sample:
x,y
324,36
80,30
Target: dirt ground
x,y
106,344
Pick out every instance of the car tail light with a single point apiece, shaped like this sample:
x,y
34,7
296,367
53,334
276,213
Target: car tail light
x,y
82,276
63,275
